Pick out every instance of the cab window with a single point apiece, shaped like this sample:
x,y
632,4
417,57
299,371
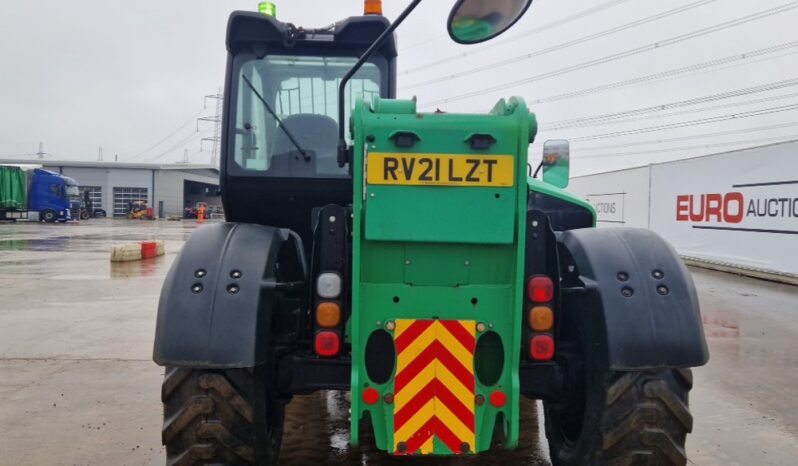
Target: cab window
x,y
287,105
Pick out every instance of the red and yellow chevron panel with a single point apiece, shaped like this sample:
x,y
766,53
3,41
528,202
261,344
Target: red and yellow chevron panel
x,y
434,387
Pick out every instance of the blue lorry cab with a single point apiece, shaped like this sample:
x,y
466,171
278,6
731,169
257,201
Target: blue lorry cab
x,y
50,194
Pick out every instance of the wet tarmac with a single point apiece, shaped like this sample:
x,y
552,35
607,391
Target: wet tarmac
x,y
78,387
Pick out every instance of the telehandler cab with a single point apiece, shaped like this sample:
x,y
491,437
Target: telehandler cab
x,y
415,264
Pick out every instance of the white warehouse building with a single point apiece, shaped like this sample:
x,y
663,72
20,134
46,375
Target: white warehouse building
x,y
168,188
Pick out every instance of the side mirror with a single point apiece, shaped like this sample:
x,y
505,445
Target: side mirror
x,y
556,162
474,21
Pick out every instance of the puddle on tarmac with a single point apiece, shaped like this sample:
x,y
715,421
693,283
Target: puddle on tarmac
x,y
78,276
317,432
141,268
55,244
40,244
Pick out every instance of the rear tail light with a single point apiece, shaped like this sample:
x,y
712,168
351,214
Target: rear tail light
x,y
541,347
328,314
540,289
541,318
327,343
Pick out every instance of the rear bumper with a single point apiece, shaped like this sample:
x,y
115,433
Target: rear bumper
x,y
304,373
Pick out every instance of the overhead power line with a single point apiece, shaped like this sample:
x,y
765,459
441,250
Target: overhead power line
x,y
580,121
684,124
170,135
716,134
189,157
784,138
628,53
565,20
699,67
496,43
672,114
181,144
564,45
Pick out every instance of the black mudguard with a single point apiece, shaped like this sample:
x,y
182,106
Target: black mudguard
x,y
206,316
651,319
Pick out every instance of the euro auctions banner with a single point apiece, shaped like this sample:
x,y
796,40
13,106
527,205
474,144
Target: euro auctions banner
x,y
738,207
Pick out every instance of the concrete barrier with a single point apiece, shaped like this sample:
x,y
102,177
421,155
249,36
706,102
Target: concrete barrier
x,y
136,251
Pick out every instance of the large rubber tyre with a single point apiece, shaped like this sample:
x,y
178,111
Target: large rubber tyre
x,y
49,216
627,418
220,417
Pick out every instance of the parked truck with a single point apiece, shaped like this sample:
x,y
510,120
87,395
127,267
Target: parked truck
x,y
31,194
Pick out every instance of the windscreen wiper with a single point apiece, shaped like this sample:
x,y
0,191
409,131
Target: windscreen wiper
x,y
293,140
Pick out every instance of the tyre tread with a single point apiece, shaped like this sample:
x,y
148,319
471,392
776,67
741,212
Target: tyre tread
x,y
658,420
659,439
621,386
225,389
638,418
642,415
215,430
210,417
198,452
659,390
178,422
173,378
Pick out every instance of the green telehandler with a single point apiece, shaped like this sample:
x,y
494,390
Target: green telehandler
x,y
409,258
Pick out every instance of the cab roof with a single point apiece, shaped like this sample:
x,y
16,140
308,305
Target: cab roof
x,y
248,30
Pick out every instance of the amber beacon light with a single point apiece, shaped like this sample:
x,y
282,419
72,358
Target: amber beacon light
x,y
372,7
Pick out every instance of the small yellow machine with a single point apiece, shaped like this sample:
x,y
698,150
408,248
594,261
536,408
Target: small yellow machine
x,y
138,210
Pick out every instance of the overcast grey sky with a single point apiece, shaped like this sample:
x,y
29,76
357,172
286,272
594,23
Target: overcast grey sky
x,y
78,75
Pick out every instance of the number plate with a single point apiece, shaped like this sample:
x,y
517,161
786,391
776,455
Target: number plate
x,y
441,170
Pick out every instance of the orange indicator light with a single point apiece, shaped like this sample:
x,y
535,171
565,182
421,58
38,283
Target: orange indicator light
x,y
541,318
328,314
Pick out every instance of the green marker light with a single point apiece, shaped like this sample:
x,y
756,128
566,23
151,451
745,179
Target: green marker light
x,y
268,8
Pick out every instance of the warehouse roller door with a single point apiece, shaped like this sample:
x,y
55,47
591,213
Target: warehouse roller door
x,y
124,196
95,195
